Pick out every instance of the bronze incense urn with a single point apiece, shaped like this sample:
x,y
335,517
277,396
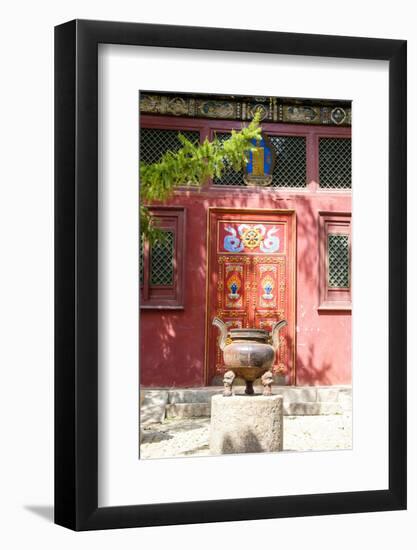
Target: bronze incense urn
x,y
248,353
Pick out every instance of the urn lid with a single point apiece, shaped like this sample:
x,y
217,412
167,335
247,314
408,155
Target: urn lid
x,y
249,333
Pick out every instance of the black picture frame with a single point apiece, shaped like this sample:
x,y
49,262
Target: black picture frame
x,y
76,271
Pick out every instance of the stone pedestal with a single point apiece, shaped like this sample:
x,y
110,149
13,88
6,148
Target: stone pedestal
x,y
246,424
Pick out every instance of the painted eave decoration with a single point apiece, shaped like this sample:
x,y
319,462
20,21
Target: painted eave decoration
x,y
271,109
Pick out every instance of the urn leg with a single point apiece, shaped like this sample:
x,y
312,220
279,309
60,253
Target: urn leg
x,y
249,387
267,380
228,379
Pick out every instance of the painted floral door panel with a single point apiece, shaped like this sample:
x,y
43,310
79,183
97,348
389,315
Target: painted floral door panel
x,y
251,271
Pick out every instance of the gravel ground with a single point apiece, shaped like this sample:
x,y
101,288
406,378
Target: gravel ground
x,y
189,437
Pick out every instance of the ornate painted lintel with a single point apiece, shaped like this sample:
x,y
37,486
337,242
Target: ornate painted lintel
x,y
271,109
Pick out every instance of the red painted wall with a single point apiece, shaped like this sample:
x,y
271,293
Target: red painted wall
x,y
173,343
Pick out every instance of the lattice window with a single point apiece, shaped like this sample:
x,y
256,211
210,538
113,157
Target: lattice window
x,y
141,262
229,176
154,142
290,165
162,261
338,260
161,265
335,163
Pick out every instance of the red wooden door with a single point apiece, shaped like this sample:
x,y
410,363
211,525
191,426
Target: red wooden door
x,y
251,280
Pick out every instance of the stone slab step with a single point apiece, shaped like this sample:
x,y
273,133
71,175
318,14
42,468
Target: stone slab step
x,y
304,394
188,410
193,395
198,410
312,409
195,402
153,407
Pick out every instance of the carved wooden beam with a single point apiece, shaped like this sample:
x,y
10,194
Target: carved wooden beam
x,y
271,109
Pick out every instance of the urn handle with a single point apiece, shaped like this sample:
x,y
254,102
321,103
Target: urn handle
x,y
223,331
275,333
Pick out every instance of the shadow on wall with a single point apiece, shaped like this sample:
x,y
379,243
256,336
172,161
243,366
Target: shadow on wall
x,y
310,372
163,355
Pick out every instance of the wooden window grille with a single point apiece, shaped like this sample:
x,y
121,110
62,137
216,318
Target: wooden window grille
x,y
155,142
334,261
338,260
290,165
162,256
335,163
161,265
229,175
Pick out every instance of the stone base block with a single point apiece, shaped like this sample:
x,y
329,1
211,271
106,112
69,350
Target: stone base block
x,y
246,424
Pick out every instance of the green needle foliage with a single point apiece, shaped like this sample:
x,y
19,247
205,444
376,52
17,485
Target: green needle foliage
x,y
191,165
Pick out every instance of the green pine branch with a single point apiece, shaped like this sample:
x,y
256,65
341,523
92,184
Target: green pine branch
x,y
191,165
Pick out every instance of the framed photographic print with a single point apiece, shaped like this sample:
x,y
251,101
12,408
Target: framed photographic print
x,y
230,275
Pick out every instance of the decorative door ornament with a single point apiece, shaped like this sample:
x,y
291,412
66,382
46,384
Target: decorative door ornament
x,y
271,243
234,283
261,163
255,238
232,242
268,286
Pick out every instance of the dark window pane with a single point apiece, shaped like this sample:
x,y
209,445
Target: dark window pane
x,y
141,259
290,164
335,163
338,258
229,176
155,142
162,261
